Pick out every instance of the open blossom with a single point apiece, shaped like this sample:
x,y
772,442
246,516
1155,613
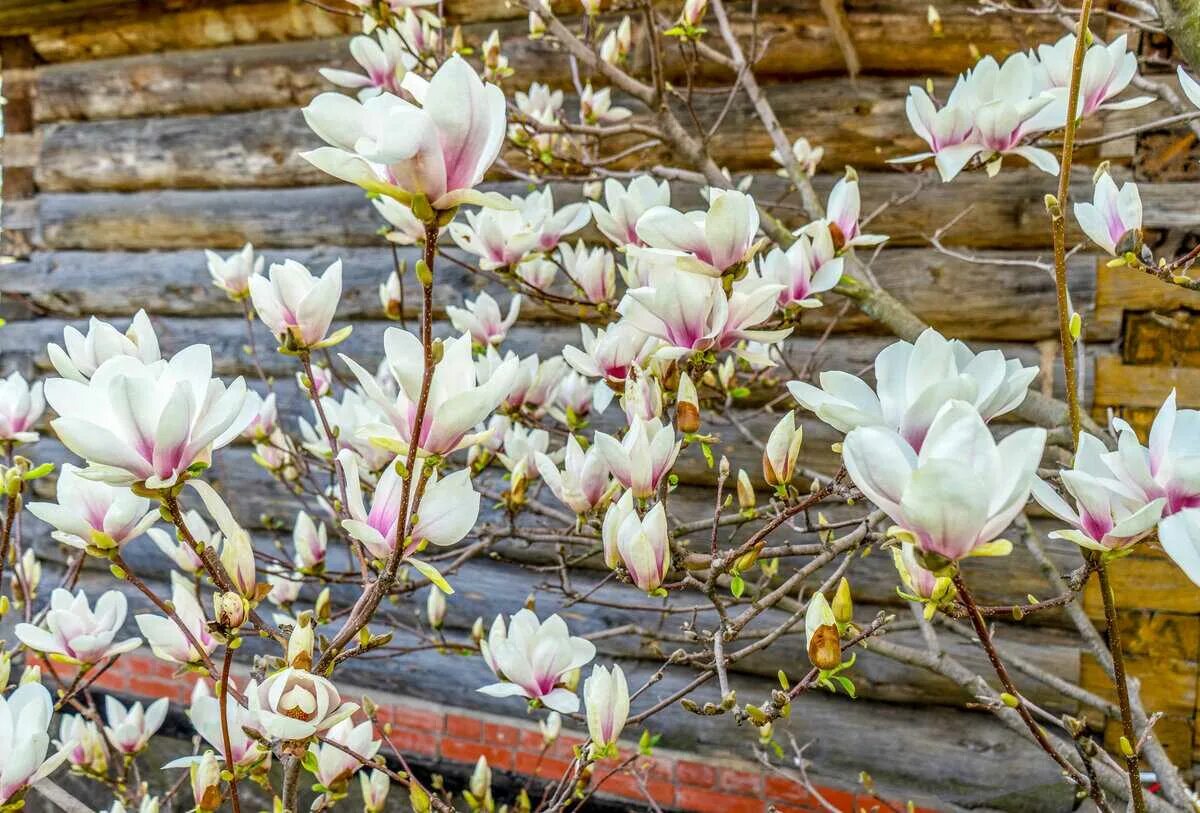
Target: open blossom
x,y
947,130
643,457
643,545
573,398
842,215
83,355
407,229
297,306
165,637
1107,70
385,60
94,514
959,493
24,720
532,660
914,381
538,395
609,353
522,446
702,242
642,398
130,729
539,102
593,271
139,422
83,742
482,318
74,632
584,484
1170,466
285,588
596,107
179,551
348,418
264,418
537,272
1110,515
806,156
335,766
448,509
232,274
624,206
1180,538
499,237
205,714
21,406
440,149
553,224
294,704
606,700
309,539
807,267
456,403
1112,215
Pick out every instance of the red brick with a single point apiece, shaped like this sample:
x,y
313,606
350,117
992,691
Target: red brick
x,y
564,746
465,751
531,741
841,799
416,742
546,768
695,773
467,728
746,783
708,801
501,734
780,789
411,719
623,784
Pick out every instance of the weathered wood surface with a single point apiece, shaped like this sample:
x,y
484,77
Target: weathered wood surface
x,y
985,302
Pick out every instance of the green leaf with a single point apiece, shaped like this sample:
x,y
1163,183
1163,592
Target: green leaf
x,y
433,574
740,392
737,585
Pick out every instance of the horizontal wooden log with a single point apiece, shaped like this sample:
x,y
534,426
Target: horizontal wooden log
x,y
986,302
1137,385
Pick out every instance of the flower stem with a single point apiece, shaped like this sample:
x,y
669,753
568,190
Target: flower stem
x,y
224,702
1120,678
291,783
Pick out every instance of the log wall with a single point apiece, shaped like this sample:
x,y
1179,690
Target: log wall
x,y
137,134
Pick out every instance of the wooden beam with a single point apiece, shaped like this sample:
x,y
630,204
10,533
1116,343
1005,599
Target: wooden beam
x,y
17,58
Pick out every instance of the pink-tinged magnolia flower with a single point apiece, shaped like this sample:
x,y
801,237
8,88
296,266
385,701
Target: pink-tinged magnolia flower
x,y
614,517
93,514
285,588
84,354
573,398
72,632
537,272
232,274
606,700
842,214
130,729
499,237
914,381
624,206
782,450
1170,467
596,107
440,149
448,509
24,720
165,637
552,225
522,445
482,318
348,418
179,551
539,102
205,714
805,155
956,496
584,484
808,267
702,242
456,403
532,660
309,538
919,582
1107,70
1112,214
151,423
593,271
407,229
83,742
609,353
21,406
1180,538
294,705
297,306
693,12
1110,515
385,60
947,130
375,786
265,418
335,766
642,458
642,398
644,547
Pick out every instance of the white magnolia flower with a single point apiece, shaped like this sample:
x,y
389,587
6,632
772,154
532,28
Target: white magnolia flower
x,y
643,457
956,496
130,729
806,156
584,483
596,107
24,720
482,318
702,242
782,450
294,705
83,742
74,632
948,131
1111,215
842,215
522,446
914,381
335,766
533,659
624,206
375,786
349,418
593,271
606,700
609,353
232,274
309,539
94,514
499,237
205,714
84,354
265,417
176,549
21,406
1170,467
165,637
643,544
552,225
297,306
808,267
1107,70
385,60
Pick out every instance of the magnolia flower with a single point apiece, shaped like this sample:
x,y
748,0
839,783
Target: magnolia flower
x,y
236,549
806,268
391,295
83,743
606,700
644,547
806,157
708,243
539,101
179,551
482,319
609,353
842,213
232,274
435,607
27,572
499,237
551,727
407,229
335,766
537,272
593,271
693,12
959,493
1170,467
1107,70
375,786
490,364
1180,538
947,130
264,418
285,588
919,582
385,60
552,226
522,446
205,775
21,406
915,380
24,718
1110,515
642,398
84,354
456,404
440,149
573,398
130,729
642,458
165,637
533,658
821,633
623,207
294,704
596,107
447,512
782,450
73,632
584,484
297,306
205,714
90,514
309,539
150,423
1113,215
348,418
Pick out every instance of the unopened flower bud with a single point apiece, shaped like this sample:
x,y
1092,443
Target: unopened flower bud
x,y
477,630
820,627
693,12
230,610
323,607
435,607
31,674
389,296
481,779
537,26
745,491
687,406
551,727
301,641
843,604
206,783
